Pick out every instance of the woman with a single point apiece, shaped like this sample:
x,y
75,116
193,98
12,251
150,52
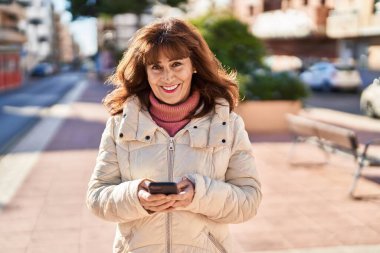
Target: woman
x,y
173,122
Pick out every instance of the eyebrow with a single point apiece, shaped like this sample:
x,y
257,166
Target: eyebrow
x,y
170,60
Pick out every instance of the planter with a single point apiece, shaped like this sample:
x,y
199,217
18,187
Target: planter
x,y
267,116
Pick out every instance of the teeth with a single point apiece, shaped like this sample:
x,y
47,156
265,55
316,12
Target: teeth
x,y
170,87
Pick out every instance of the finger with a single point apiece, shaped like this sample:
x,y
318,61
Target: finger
x,y
146,183
147,196
183,184
187,184
180,196
186,195
161,207
147,199
182,203
157,203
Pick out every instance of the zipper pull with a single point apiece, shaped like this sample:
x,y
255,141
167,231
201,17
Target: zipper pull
x,y
171,144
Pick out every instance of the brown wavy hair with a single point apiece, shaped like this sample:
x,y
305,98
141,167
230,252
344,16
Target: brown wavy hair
x,y
177,39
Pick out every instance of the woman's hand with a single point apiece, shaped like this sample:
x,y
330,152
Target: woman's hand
x,y
153,202
186,195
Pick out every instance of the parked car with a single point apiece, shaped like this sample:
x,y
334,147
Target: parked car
x,y
328,76
370,99
43,69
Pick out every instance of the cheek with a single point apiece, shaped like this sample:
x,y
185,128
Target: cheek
x,y
153,78
188,80
186,75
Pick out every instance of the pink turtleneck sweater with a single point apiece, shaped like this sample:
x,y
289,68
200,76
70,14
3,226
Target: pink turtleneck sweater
x,y
173,117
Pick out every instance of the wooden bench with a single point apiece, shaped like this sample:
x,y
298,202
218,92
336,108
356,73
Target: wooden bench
x,y
333,138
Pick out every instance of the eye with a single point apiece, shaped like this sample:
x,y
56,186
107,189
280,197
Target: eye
x,y
155,67
176,64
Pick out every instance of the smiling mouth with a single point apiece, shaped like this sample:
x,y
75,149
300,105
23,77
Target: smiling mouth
x,y
170,89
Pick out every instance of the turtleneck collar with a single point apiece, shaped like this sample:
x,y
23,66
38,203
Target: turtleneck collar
x,y
173,117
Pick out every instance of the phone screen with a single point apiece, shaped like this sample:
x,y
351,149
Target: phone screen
x,y
163,188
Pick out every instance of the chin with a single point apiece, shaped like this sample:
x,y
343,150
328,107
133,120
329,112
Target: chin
x,y
174,102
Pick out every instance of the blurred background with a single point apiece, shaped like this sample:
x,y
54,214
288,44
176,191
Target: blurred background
x,y
315,58
327,45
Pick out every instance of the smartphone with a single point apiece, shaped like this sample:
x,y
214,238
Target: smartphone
x,y
163,188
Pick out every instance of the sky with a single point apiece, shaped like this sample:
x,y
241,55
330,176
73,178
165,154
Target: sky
x,y
83,30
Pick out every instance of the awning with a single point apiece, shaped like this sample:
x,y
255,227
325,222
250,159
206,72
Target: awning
x,y
10,36
13,9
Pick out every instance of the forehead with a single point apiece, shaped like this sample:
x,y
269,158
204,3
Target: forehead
x,y
162,58
161,52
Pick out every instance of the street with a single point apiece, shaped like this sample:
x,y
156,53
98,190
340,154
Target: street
x,y
20,109
341,101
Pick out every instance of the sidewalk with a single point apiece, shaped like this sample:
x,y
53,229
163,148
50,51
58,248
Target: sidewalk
x,y
304,209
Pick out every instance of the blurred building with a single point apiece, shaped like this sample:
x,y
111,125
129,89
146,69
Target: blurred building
x,y
356,24
289,27
347,30
195,8
11,41
48,39
65,50
106,33
114,33
41,32
113,36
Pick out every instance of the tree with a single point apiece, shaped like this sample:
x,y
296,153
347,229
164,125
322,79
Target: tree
x,y
239,50
231,42
94,8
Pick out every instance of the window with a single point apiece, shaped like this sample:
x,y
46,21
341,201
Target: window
x,y
271,5
251,10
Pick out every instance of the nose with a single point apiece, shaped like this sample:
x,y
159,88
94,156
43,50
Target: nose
x,y
168,75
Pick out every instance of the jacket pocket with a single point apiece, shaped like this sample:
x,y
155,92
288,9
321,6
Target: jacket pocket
x,y
216,244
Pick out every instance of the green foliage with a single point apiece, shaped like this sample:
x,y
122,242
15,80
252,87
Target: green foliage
x,y
231,42
264,85
82,8
238,49
174,3
114,7
93,8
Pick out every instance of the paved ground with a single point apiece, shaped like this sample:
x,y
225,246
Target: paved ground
x,y
305,208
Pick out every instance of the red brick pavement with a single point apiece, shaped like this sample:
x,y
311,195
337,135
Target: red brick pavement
x,y
303,207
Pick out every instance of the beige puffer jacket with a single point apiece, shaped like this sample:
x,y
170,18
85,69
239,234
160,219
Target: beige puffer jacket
x,y
214,152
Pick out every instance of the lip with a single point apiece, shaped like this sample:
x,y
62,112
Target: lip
x,y
170,91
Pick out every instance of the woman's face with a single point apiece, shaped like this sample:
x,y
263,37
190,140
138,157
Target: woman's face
x,y
170,79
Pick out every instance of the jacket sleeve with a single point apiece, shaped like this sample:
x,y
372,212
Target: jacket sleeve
x,y
107,196
237,199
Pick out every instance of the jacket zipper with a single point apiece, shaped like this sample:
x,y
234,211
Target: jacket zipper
x,y
170,178
219,247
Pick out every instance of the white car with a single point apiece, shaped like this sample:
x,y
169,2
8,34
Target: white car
x,y
370,99
327,76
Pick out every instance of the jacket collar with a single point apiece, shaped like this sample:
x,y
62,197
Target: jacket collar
x,y
136,123
209,131
213,129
